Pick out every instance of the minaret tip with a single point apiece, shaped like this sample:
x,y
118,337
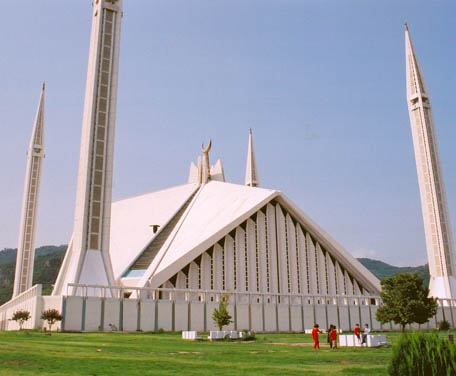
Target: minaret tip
x,y
405,26
251,172
206,173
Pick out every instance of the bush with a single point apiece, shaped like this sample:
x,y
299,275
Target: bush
x,y
21,316
51,316
248,335
422,354
444,325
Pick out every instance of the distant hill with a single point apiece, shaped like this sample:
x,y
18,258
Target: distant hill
x,y
47,265
382,270
49,258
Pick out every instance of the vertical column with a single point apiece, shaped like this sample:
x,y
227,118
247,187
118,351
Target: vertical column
x,y
292,255
331,273
437,227
340,280
271,244
241,267
229,263
303,267
312,263
282,252
253,262
205,271
321,270
26,244
217,267
90,260
262,252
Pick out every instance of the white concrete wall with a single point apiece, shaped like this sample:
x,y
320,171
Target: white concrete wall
x,y
180,316
296,318
197,316
73,313
256,315
96,313
320,316
92,317
147,317
309,319
130,315
332,315
164,315
270,317
283,317
111,314
242,314
344,322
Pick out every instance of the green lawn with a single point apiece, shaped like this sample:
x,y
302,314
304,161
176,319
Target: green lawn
x,y
34,353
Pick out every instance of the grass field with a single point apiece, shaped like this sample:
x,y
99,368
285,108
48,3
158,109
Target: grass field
x,y
34,353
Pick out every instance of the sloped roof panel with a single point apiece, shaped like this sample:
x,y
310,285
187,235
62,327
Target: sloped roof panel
x,y
131,221
217,209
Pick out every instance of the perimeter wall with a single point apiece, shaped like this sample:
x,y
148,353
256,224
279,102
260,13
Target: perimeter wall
x,y
176,310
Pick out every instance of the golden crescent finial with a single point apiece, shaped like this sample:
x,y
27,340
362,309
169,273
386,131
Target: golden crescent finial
x,y
205,151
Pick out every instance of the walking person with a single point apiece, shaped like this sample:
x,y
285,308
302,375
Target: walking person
x,y
358,333
365,334
315,332
334,337
329,336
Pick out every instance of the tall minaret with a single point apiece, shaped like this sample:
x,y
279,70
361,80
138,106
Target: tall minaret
x,y
437,227
87,260
26,246
251,171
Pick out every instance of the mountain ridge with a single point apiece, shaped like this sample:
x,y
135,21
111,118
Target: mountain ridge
x,y
49,258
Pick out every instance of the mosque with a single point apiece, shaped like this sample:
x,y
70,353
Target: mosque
x,y
165,259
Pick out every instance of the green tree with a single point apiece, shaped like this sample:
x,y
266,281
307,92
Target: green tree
x,y
405,300
51,316
221,316
21,316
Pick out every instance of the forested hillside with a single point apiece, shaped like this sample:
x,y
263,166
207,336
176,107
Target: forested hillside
x,y
47,264
382,270
49,258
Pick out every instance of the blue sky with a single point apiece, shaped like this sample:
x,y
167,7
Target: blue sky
x,y
322,84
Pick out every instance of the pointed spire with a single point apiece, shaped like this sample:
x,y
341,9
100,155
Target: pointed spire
x,y
251,171
434,206
415,82
89,258
26,244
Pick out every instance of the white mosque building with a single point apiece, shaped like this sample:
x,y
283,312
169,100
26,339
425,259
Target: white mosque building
x,y
165,259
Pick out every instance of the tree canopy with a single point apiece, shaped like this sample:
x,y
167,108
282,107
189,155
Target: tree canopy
x,y
51,315
405,300
21,316
221,316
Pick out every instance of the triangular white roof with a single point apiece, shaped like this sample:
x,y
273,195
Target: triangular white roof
x,y
216,209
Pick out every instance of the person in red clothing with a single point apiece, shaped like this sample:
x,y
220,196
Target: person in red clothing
x,y
315,332
358,333
334,337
